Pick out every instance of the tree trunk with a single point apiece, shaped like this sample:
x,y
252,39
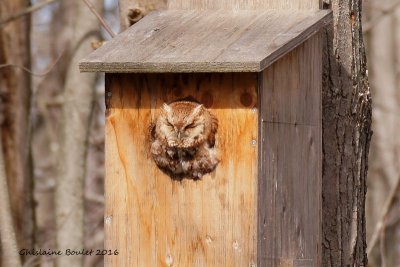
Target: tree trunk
x,y
48,43
79,92
9,249
15,109
346,137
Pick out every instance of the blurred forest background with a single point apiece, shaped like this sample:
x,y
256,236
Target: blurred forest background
x,y
381,29
60,115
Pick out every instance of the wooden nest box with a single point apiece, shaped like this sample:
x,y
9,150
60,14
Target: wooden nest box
x,y
259,73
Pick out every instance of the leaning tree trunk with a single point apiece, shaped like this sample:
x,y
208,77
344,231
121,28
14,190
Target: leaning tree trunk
x,y
346,138
15,109
79,92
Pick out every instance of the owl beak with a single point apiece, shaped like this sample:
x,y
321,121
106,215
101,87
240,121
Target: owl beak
x,y
179,135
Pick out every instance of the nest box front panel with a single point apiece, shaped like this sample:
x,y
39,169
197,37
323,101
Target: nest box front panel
x,y
160,212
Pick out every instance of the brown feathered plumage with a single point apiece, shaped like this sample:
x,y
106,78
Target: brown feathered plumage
x,y
183,140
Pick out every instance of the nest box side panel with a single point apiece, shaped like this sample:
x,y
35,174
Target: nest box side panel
x,y
243,4
154,220
289,201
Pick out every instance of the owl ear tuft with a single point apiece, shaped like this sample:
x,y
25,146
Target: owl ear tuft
x,y
166,108
197,110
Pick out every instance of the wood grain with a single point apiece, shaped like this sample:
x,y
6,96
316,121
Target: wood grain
x,y
206,41
243,4
289,193
153,220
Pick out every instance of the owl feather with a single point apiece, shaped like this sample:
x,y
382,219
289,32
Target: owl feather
x,y
183,139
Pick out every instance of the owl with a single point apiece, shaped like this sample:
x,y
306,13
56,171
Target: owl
x,y
183,140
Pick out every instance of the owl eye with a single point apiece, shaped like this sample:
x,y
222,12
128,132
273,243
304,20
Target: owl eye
x,y
190,126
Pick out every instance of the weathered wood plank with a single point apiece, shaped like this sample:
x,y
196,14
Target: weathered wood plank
x,y
243,4
289,193
153,220
206,41
292,86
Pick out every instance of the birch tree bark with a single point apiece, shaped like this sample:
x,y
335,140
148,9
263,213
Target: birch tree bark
x,y
15,109
79,92
346,137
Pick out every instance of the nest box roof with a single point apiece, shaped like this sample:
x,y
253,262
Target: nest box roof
x,y
206,41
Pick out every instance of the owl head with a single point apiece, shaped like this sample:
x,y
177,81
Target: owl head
x,y
182,124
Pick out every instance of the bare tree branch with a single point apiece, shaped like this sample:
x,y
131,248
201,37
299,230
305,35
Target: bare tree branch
x,y
380,226
47,71
47,2
100,18
27,11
